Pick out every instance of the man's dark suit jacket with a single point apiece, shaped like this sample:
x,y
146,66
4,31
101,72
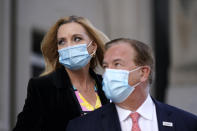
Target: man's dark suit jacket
x,y
106,119
51,102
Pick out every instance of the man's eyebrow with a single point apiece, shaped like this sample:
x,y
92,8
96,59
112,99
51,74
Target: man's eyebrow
x,y
116,60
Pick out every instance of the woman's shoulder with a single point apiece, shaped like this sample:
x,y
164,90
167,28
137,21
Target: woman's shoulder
x,y
43,78
57,78
48,77
40,82
43,81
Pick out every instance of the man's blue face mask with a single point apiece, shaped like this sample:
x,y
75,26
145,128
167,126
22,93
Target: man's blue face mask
x,y
75,57
116,86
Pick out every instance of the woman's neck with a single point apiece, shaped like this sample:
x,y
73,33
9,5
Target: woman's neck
x,y
80,78
84,83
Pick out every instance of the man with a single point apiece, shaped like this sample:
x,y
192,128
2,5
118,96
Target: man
x,y
128,73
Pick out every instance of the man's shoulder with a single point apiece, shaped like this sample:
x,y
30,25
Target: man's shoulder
x,y
178,112
91,120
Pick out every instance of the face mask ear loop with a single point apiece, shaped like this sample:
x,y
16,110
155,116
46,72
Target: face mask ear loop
x,y
136,84
93,53
89,43
135,69
88,46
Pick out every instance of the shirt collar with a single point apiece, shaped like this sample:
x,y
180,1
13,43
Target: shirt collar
x,y
145,110
122,113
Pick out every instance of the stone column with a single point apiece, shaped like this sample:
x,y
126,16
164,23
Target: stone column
x,y
184,38
129,18
5,65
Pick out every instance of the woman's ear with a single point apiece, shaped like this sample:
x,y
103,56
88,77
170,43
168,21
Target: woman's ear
x,y
92,48
94,45
145,72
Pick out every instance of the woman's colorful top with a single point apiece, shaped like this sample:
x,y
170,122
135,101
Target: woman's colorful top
x,y
85,106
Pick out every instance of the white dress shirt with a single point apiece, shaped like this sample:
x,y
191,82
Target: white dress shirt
x,y
147,120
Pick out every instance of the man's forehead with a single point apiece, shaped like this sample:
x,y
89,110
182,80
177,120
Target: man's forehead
x,y
118,51
119,48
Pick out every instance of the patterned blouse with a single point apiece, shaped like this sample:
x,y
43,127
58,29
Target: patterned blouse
x,y
85,106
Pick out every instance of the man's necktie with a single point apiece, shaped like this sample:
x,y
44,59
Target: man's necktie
x,y
135,117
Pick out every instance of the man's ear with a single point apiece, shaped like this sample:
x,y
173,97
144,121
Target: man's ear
x,y
145,72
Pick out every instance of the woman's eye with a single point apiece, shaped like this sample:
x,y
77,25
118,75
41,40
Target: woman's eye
x,y
104,66
61,42
77,39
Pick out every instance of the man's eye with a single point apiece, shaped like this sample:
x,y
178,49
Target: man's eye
x,y
117,64
77,39
61,42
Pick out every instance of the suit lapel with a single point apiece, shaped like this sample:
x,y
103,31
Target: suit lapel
x,y
109,118
165,117
64,94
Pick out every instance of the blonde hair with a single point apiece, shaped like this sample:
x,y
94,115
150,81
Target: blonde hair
x,y
49,44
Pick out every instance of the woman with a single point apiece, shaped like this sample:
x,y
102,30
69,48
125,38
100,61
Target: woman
x,y
68,88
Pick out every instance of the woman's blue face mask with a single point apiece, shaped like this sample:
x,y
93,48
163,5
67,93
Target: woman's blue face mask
x,y
75,57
